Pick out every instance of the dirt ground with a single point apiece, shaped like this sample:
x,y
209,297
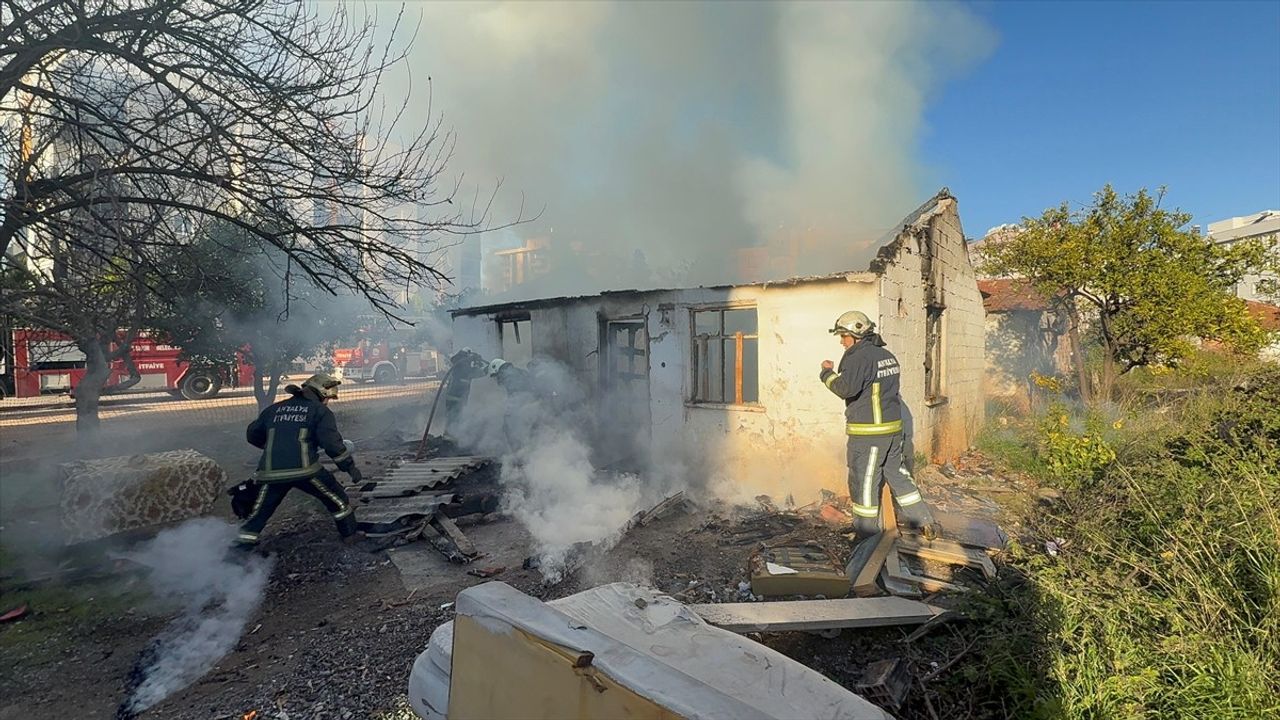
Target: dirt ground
x,y
341,626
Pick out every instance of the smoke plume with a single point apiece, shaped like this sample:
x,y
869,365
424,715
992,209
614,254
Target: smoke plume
x,y
563,500
188,566
569,477
664,138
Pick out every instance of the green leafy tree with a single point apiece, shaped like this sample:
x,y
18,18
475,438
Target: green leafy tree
x,y
1144,284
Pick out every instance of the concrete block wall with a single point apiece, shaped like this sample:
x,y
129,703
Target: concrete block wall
x,y
945,429
902,325
965,337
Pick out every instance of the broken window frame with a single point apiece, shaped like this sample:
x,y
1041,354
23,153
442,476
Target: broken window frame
x,y
935,364
510,323
699,386
637,355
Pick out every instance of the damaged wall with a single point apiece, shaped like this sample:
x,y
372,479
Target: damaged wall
x,y
788,437
929,294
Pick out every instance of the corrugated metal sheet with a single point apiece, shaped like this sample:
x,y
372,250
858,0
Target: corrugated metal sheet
x,y
413,490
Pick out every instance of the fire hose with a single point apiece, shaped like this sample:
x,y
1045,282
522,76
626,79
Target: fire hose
x,y
444,384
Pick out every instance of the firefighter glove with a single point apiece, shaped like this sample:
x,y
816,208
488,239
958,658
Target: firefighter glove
x,y
356,476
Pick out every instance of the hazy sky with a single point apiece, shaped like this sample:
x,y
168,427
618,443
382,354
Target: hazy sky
x,y
689,131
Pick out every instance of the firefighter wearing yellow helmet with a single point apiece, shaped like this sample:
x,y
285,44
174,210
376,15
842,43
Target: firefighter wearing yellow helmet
x,y
291,434
868,379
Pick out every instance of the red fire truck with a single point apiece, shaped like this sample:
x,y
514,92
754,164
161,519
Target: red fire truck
x,y
386,356
46,362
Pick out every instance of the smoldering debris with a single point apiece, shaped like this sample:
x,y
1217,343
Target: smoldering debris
x,y
555,492
189,566
560,455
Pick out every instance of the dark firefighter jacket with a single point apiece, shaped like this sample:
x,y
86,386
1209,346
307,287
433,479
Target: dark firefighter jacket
x,y
465,366
868,379
291,433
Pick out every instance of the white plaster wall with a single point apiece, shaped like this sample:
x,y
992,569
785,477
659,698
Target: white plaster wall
x,y
793,442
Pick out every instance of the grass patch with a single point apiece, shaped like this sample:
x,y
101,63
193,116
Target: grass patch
x,y
1165,602
57,610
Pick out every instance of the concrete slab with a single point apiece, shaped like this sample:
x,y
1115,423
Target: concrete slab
x,y
423,569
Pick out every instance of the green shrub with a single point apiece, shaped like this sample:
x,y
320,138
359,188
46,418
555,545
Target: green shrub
x,y
1165,600
1075,457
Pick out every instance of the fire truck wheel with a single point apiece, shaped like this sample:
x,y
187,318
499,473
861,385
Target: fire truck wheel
x,y
384,375
200,384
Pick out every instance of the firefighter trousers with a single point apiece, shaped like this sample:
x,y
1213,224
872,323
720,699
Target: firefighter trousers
x,y
873,460
323,487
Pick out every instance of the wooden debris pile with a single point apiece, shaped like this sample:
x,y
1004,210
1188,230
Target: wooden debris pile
x,y
907,565
420,500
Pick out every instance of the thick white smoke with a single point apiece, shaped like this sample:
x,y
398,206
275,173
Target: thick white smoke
x,y
562,464
188,565
661,138
562,499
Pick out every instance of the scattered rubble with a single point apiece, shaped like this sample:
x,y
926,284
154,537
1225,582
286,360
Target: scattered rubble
x,y
418,500
885,683
839,613
582,553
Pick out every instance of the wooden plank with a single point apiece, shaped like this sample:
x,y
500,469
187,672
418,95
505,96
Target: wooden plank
x,y
897,571
445,545
863,577
459,538
737,371
888,511
946,551
816,614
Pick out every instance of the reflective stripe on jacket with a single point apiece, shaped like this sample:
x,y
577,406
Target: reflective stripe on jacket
x,y
868,379
291,433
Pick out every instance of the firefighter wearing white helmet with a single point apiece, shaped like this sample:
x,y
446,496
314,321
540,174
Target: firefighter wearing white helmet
x,y
868,380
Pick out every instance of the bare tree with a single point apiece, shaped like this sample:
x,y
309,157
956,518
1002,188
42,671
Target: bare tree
x,y
129,122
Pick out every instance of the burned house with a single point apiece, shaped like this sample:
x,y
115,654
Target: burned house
x,y
728,375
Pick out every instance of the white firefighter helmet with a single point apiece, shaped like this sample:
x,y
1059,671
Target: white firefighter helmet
x,y
495,366
853,323
326,386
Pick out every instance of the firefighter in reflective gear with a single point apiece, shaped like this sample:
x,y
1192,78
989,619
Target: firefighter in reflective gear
x,y
522,410
291,434
868,379
465,365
